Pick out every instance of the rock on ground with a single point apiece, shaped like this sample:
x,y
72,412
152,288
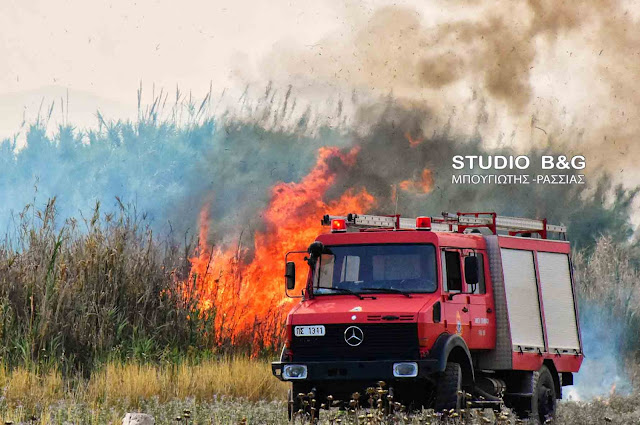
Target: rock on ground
x,y
138,419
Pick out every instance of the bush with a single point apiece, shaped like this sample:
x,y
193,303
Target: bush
x,y
81,291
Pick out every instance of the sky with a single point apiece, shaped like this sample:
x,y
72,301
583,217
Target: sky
x,y
101,51
107,47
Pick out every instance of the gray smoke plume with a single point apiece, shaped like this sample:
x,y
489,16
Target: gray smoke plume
x,y
608,297
395,149
522,75
604,370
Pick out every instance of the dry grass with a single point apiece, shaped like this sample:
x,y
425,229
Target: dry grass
x,y
237,377
229,391
235,411
77,293
609,280
129,384
27,388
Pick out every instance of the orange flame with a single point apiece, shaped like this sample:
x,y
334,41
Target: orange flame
x,y
246,298
412,142
424,185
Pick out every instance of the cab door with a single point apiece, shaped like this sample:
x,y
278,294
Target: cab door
x,y
480,315
455,302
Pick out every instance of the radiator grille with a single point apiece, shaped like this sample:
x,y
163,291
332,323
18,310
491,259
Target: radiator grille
x,y
381,342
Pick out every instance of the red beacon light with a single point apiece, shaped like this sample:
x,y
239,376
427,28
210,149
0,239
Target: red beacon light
x,y
423,223
338,225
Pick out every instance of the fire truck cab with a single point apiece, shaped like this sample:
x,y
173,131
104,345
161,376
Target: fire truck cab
x,y
439,308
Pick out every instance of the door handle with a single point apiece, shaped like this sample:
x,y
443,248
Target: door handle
x,y
465,309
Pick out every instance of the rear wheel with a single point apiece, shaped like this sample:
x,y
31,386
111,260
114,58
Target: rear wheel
x,y
542,403
449,394
543,400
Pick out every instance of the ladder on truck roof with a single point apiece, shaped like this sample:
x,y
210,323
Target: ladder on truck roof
x,y
456,222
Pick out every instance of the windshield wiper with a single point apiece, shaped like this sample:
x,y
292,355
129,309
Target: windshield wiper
x,y
345,290
389,290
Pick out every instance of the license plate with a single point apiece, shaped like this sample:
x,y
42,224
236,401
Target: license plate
x,y
309,330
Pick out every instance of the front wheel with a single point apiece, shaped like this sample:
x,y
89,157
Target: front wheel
x,y
449,394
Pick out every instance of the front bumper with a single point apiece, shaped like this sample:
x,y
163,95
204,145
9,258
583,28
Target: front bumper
x,y
355,370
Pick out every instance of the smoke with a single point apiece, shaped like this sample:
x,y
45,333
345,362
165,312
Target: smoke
x,y
167,171
396,157
519,74
604,369
608,296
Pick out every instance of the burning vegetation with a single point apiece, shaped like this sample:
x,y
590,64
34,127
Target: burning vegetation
x,y
241,288
421,185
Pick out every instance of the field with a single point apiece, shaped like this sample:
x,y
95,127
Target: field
x,y
226,391
210,387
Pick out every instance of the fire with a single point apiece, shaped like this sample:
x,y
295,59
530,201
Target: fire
x,y
412,142
422,185
245,298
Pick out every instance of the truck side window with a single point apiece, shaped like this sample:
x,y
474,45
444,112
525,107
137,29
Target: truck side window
x,y
480,288
451,274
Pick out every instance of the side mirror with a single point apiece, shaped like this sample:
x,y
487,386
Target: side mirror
x,y
290,275
471,270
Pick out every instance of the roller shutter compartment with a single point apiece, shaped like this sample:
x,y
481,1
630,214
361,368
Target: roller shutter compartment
x,y
521,288
557,298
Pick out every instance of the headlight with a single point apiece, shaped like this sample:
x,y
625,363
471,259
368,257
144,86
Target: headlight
x,y
294,371
405,370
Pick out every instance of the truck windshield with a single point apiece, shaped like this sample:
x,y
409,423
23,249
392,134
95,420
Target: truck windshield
x,y
406,268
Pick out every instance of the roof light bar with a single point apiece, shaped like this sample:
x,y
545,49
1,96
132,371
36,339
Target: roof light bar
x,y
338,225
423,223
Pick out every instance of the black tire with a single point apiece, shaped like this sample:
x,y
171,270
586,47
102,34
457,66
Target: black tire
x,y
449,394
543,400
542,403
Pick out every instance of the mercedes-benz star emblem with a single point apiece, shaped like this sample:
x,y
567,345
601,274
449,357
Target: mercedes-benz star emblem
x,y
353,336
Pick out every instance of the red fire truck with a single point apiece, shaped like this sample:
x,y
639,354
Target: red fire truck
x,y
438,308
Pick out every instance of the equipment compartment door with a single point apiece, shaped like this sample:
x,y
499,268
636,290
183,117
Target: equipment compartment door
x,y
523,305
557,298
